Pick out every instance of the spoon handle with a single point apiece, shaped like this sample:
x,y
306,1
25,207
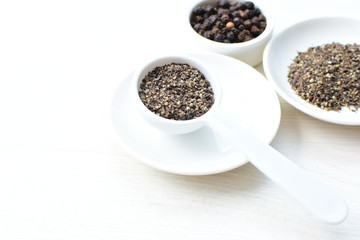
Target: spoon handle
x,y
317,198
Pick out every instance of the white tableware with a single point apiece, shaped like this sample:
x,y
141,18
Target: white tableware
x,y
318,199
250,52
168,125
283,48
197,153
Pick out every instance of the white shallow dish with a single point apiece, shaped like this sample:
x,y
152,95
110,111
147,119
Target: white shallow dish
x,y
247,95
283,48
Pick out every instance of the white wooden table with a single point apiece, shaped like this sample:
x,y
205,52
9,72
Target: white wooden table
x,y
63,174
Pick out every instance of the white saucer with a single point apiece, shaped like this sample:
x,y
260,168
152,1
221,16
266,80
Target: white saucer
x,y
247,95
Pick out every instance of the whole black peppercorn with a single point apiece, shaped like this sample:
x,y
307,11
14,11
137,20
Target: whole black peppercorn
x,y
206,24
209,9
237,21
249,5
224,4
197,27
230,36
262,25
224,31
244,35
248,37
235,14
220,24
198,19
256,11
235,31
241,6
255,30
219,37
215,31
202,31
241,27
262,17
251,14
221,11
225,18
244,14
208,34
199,10
255,21
247,24
212,19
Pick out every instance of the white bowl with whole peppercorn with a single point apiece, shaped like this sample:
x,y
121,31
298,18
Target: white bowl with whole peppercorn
x,y
240,29
315,66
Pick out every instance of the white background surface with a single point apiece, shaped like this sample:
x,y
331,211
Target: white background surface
x,y
63,174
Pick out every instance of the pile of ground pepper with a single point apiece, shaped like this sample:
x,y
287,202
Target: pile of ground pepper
x,y
328,76
176,91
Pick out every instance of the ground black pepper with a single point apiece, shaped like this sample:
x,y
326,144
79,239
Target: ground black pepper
x,y
228,21
176,91
328,76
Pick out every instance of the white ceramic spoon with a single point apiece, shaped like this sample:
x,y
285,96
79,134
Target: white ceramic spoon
x,y
319,199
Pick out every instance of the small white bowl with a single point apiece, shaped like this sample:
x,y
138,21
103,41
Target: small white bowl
x,y
250,52
283,48
169,125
